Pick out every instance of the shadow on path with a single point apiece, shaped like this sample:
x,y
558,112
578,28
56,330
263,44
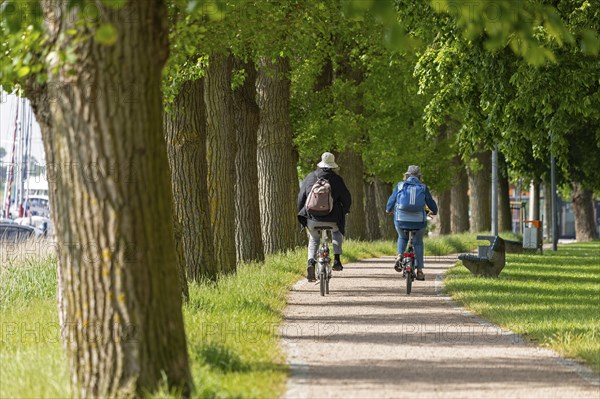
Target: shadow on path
x,y
367,337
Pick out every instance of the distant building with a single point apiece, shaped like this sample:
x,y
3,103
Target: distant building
x,y
566,218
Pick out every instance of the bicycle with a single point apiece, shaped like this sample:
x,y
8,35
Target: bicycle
x,y
324,260
406,264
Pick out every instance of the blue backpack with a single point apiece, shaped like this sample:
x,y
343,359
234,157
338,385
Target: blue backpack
x,y
410,201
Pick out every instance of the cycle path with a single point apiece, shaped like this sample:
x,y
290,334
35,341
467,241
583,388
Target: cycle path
x,y
367,339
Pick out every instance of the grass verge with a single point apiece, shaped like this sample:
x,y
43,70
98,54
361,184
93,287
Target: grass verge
x,y
231,326
552,299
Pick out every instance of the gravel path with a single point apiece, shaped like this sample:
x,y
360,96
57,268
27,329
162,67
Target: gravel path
x,y
367,339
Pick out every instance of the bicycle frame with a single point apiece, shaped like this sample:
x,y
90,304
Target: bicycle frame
x,y
408,262
324,262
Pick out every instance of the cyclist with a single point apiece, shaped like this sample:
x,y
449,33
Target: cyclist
x,y
419,196
342,200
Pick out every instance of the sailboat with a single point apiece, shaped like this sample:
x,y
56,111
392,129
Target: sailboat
x,y
26,201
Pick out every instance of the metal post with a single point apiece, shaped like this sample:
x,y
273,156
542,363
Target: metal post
x,y
495,191
554,210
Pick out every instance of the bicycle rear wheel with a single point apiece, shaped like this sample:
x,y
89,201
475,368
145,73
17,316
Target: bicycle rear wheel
x,y
409,277
322,279
327,283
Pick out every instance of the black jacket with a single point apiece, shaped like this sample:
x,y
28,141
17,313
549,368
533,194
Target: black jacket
x,y
342,200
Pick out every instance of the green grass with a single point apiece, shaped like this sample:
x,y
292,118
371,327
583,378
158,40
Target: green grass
x,y
32,363
552,299
231,327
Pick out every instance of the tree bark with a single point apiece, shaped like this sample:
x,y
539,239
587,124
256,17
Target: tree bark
x,y
386,222
480,183
371,212
444,219
583,207
248,236
220,150
120,299
444,213
185,133
352,170
459,199
534,200
277,176
504,212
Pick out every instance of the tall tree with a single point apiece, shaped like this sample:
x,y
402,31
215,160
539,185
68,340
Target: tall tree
x,y
220,148
185,133
459,198
248,236
351,170
371,212
277,177
583,207
480,188
504,211
386,222
119,294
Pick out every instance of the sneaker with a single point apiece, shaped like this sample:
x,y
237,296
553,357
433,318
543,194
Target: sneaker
x,y
420,275
310,271
398,264
337,266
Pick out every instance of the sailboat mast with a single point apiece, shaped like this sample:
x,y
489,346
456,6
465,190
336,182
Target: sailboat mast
x,y
12,164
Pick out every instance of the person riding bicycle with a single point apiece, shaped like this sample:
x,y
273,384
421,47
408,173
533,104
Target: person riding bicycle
x,y
408,201
336,218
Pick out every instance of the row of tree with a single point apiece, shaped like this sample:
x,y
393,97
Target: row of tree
x,y
200,117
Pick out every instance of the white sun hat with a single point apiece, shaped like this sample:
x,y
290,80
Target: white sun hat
x,y
328,161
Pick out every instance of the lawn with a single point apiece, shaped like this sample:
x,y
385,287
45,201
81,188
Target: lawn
x,y
231,327
552,299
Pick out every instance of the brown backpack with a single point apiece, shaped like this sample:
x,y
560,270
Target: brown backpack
x,y
319,201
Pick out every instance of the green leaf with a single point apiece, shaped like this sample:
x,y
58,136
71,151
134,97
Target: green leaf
x,y
114,4
23,71
106,34
193,5
590,44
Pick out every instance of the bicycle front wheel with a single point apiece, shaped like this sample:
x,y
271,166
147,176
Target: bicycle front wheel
x,y
409,278
323,283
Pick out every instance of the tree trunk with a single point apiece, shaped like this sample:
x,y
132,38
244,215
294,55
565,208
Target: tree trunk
x,y
119,293
371,212
351,170
459,199
220,149
277,176
185,132
386,222
443,222
534,200
583,207
504,212
480,183
248,236
181,265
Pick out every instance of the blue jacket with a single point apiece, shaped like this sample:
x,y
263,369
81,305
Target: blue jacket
x,y
429,201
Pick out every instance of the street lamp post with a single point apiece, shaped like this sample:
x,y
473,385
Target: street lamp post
x,y
495,191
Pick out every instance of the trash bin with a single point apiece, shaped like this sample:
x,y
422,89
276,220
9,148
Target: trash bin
x,y
532,235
